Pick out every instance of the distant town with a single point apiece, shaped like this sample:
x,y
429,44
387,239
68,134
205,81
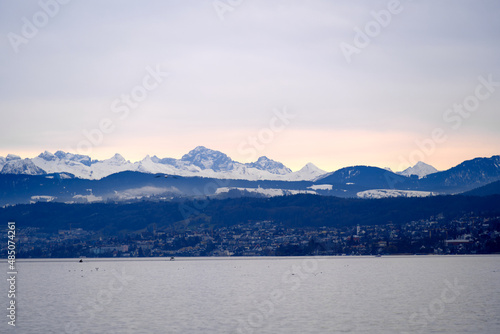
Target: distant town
x,y
468,235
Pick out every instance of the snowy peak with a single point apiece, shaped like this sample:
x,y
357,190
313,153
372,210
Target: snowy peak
x,y
312,168
115,164
152,165
274,167
205,158
147,159
21,166
61,162
167,161
420,169
83,159
117,159
308,172
47,156
11,157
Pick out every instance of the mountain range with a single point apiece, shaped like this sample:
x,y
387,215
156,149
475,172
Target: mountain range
x,y
200,161
71,178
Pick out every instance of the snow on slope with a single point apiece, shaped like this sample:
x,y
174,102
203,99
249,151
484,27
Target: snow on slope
x,y
75,165
87,198
308,172
420,169
269,192
321,187
11,157
138,193
269,165
42,198
205,158
61,163
384,193
21,166
148,165
110,166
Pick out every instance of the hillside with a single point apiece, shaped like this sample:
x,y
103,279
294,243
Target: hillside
x,y
299,210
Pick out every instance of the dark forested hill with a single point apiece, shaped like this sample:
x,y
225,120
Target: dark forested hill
x,y
487,190
299,210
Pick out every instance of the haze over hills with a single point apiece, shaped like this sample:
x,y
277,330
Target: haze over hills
x,y
487,190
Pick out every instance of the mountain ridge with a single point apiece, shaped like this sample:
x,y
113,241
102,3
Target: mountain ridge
x,y
200,161
133,185
204,162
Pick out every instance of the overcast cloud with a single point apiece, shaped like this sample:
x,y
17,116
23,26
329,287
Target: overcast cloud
x,y
226,79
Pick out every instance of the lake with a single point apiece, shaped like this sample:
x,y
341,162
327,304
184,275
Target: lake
x,y
343,294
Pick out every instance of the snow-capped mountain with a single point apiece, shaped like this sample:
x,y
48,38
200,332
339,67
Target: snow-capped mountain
x,y
63,163
115,164
308,172
83,159
15,165
420,169
266,164
200,161
205,158
11,157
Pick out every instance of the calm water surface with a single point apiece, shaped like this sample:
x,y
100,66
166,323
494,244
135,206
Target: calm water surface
x,y
414,294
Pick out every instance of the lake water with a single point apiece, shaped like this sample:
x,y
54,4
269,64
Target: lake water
x,y
414,294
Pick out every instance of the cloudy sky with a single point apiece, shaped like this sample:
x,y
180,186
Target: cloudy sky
x,y
336,83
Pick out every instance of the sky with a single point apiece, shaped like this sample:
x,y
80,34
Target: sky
x,y
335,83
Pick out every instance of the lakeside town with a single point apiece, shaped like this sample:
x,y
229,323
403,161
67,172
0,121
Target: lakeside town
x,y
468,235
